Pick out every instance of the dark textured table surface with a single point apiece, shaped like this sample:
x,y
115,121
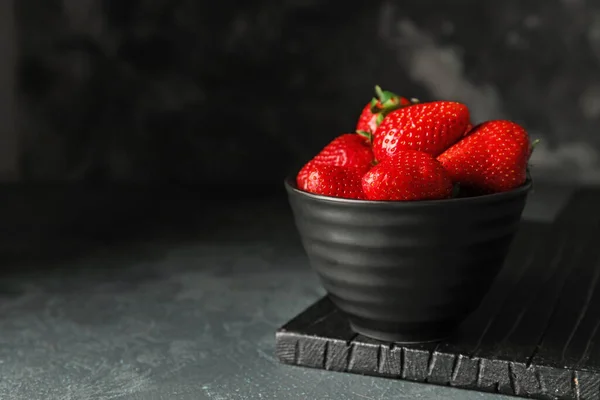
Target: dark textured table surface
x,y
139,294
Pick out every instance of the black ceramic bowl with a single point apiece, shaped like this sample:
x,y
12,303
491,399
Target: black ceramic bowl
x,y
407,271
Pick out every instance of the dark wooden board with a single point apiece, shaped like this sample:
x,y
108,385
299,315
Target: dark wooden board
x,y
535,335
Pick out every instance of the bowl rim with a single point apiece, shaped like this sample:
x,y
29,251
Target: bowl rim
x,y
292,187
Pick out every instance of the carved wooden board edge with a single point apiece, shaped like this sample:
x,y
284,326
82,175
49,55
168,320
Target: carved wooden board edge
x,y
422,363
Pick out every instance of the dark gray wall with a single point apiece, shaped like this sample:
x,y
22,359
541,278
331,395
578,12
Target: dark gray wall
x,y
244,91
9,135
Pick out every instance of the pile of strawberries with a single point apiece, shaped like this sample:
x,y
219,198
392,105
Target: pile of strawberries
x,y
406,150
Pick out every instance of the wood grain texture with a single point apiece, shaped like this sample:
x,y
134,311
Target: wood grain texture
x,y
536,334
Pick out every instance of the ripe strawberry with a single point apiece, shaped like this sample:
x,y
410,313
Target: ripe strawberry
x,y
334,181
468,130
407,175
347,150
492,158
367,121
375,111
428,127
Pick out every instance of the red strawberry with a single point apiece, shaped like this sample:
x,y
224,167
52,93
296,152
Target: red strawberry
x,y
302,177
347,150
492,158
375,111
408,175
334,181
468,130
429,127
367,121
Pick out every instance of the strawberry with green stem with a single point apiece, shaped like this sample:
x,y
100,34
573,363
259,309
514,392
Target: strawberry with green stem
x,y
378,108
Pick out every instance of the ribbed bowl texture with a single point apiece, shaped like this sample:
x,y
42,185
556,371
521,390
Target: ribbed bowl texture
x,y
407,271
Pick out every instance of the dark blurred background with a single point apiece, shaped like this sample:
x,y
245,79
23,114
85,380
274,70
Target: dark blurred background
x,y
133,261
232,92
120,117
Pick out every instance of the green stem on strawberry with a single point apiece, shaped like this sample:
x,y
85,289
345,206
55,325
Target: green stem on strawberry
x,y
374,107
382,105
532,146
366,135
387,101
384,95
